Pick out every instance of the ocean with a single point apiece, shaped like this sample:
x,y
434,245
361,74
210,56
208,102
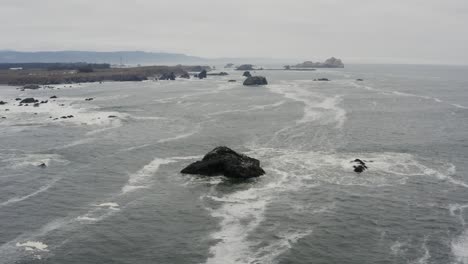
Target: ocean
x,y
111,191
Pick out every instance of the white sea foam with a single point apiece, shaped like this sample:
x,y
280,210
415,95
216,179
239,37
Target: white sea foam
x,y
317,107
22,198
33,245
138,180
460,248
26,160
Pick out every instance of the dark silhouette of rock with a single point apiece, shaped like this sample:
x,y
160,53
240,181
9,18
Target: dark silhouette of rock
x,y
360,166
18,99
227,162
36,104
359,80
329,63
70,116
3,103
42,165
232,81
168,76
28,101
53,97
89,99
218,74
229,65
322,80
64,117
112,116
185,76
255,80
44,102
245,67
202,74
247,74
31,86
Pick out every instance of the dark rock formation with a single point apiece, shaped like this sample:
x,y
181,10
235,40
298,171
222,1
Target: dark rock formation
x,y
256,80
31,86
360,165
202,74
225,161
53,97
185,76
3,103
329,63
168,76
245,67
36,104
229,65
89,99
359,80
42,165
18,99
218,74
232,81
112,116
28,101
247,74
322,80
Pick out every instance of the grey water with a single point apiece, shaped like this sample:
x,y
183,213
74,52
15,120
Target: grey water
x,y
112,191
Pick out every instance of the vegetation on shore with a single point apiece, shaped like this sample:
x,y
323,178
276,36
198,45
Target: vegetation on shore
x,y
90,74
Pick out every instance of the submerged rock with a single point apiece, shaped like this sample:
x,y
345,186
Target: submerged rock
x,y
359,80
227,162
42,165
256,80
232,81
322,80
247,74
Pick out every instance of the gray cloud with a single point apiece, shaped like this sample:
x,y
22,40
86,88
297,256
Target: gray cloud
x,y
413,31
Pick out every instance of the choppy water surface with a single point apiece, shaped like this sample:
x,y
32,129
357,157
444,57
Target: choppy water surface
x,y
112,191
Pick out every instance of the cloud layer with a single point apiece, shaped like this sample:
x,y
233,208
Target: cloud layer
x,y
413,31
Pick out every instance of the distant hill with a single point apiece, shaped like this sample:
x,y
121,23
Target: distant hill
x,y
117,57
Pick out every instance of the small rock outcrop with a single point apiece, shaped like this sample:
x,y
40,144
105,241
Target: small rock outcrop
x,y
229,65
227,162
31,86
202,74
231,80
185,76
256,80
359,80
247,74
245,67
28,101
168,76
53,97
360,165
329,63
322,80
3,103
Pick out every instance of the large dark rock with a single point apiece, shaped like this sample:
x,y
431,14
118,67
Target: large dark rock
x,y
247,74
202,74
28,101
256,80
227,162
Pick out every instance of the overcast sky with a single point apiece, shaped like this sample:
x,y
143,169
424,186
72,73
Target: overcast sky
x,y
396,31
